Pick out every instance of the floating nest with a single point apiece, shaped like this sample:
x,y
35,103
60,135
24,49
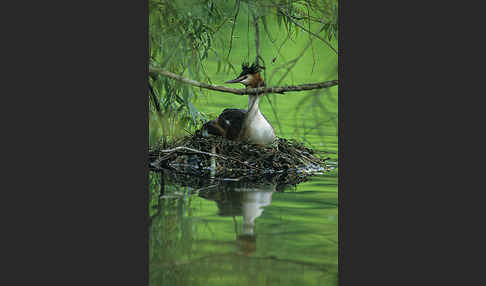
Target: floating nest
x,y
216,157
279,182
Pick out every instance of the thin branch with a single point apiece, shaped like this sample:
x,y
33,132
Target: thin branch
x,y
201,152
293,63
233,27
232,254
203,189
248,29
257,40
221,25
276,115
265,27
289,65
192,150
259,90
310,39
154,98
257,44
308,31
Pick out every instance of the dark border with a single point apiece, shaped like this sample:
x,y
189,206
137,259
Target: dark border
x,y
340,143
82,128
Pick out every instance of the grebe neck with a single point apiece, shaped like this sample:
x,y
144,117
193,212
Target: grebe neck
x,y
253,104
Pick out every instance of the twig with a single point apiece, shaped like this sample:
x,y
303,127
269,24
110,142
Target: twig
x,y
233,27
310,39
213,162
308,31
257,40
236,226
272,257
192,150
293,63
204,153
232,254
265,27
259,90
154,98
203,189
221,25
275,114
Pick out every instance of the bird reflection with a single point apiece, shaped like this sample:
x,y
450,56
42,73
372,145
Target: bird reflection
x,y
246,202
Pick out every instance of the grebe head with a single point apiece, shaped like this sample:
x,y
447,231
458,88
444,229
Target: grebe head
x,y
250,76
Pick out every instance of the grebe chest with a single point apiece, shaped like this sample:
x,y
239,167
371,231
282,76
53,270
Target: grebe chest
x,y
259,130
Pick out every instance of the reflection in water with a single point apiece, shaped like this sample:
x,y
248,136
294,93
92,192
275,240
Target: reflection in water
x,y
246,202
234,233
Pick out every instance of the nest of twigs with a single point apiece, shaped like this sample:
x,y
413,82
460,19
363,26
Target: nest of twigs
x,y
218,157
280,181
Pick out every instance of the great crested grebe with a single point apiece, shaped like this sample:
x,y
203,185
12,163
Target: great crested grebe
x,y
240,124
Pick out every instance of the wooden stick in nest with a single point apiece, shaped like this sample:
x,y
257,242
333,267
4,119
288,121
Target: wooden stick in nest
x,y
213,162
176,149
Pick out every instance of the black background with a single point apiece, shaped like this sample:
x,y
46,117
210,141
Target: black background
x,y
75,137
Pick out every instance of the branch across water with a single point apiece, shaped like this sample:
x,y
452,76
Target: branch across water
x,y
243,91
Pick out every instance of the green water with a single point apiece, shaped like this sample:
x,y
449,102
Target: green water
x,y
199,239
257,236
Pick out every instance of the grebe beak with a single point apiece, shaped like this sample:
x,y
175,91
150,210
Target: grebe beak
x,y
236,79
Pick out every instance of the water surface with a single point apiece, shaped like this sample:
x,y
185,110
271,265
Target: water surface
x,y
244,235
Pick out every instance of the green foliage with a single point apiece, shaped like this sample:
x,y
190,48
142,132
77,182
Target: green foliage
x,y
179,40
194,38
306,12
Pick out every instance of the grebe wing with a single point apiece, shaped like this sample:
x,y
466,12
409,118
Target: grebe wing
x,y
231,119
233,114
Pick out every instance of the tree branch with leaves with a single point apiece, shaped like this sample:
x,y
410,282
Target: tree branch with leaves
x,y
182,39
245,91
